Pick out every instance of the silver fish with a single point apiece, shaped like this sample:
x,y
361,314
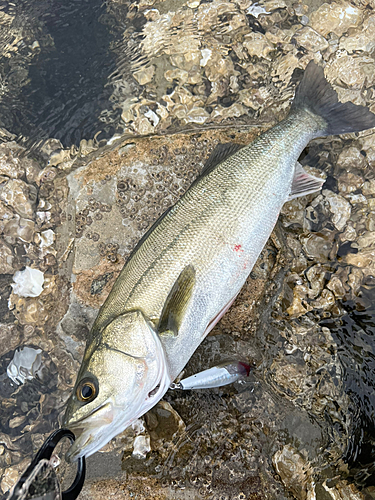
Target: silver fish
x,y
222,374
188,269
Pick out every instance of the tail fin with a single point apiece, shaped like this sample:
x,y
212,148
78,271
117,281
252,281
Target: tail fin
x,y
315,94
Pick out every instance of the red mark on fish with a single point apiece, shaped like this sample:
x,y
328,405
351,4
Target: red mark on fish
x,y
238,248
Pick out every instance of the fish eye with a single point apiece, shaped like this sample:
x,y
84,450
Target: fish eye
x,y
86,391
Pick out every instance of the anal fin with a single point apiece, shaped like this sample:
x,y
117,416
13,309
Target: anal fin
x,y
177,302
304,183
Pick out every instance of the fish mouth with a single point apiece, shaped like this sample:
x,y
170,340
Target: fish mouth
x,y
86,434
105,419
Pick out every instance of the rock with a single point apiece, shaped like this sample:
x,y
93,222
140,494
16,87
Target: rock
x,y
284,67
348,182
369,187
234,111
353,72
177,74
336,286
299,304
325,301
6,214
145,75
336,18
142,126
20,196
366,240
310,39
351,157
295,472
20,228
364,258
339,207
360,39
10,164
257,44
349,234
6,259
10,477
316,276
271,5
343,490
318,246
218,67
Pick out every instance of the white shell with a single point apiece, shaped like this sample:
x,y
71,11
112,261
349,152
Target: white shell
x,y
141,446
28,283
24,365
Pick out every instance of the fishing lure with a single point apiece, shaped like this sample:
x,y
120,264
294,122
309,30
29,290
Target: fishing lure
x,y
225,373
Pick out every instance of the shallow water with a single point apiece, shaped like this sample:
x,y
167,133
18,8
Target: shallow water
x,y
219,71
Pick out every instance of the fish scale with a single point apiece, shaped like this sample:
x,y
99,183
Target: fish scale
x,y
186,272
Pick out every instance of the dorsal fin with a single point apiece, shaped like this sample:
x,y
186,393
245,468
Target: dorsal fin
x,y
177,302
218,155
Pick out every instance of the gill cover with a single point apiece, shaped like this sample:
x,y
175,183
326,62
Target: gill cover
x,y
114,383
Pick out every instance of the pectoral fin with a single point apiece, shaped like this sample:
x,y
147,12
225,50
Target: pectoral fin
x,y
177,302
304,183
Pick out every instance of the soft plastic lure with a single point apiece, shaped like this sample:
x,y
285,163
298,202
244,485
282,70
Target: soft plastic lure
x,y
223,374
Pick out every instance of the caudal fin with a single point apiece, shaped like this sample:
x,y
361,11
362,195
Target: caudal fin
x,y
316,95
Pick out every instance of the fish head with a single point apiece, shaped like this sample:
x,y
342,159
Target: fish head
x,y
124,373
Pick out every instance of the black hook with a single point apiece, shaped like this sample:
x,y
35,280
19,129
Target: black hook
x,y
45,452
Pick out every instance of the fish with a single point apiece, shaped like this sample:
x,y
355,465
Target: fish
x,y
189,267
224,373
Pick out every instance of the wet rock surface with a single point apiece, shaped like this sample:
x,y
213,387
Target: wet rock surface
x,y
302,425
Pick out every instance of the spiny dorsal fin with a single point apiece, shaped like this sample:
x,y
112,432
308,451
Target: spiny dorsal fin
x,y
218,155
177,302
304,183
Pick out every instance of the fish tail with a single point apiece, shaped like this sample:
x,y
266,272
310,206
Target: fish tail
x,y
316,95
